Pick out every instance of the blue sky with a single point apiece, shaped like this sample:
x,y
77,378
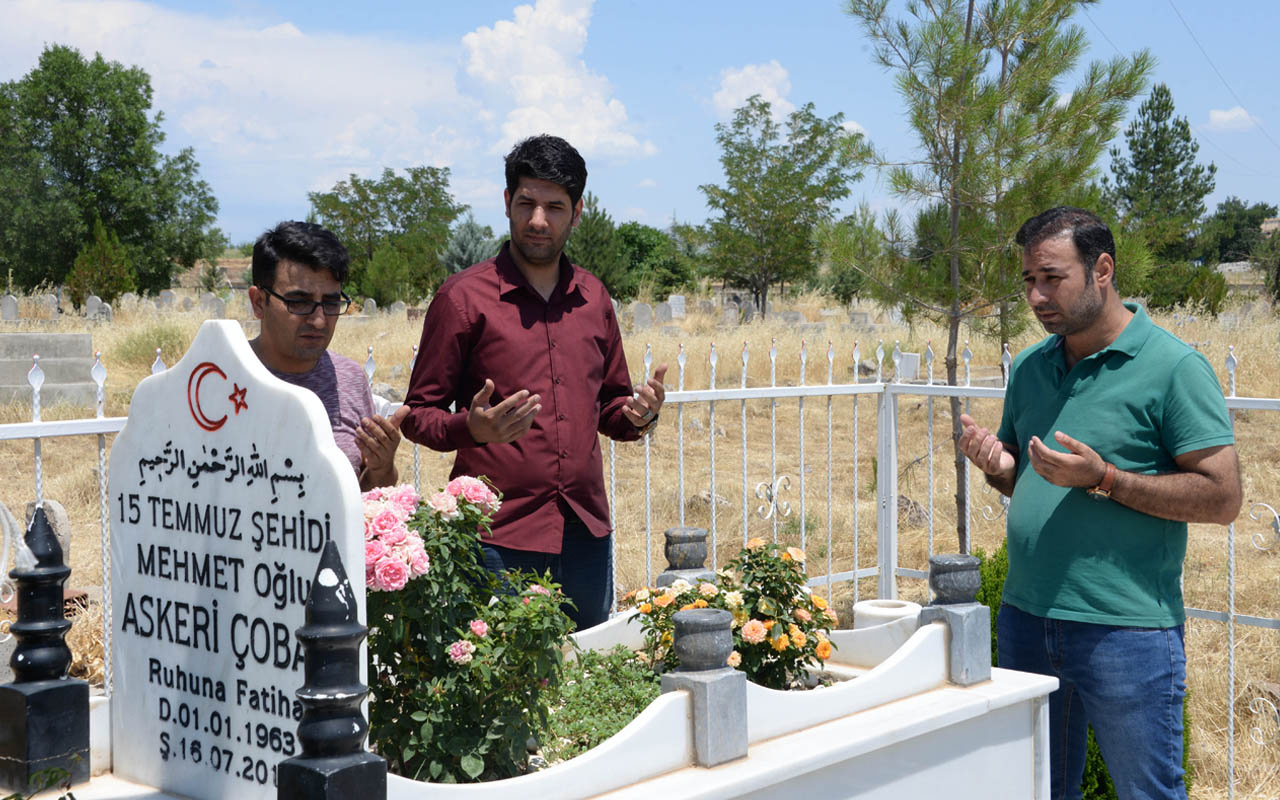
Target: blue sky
x,y
282,97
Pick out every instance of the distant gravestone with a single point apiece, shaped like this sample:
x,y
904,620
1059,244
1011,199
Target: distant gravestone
x,y
49,302
729,314
167,299
860,318
91,305
706,307
790,317
398,307
642,316
662,313
370,306
207,298
225,484
676,301
9,308
214,307
188,304
671,330
128,298
909,367
104,313
748,311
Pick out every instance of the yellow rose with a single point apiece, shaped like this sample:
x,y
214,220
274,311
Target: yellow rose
x,y
642,595
735,658
796,553
699,603
768,625
752,544
824,650
688,606
645,608
819,601
780,642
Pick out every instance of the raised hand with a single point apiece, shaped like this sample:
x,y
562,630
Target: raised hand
x,y
647,402
505,422
986,451
1081,467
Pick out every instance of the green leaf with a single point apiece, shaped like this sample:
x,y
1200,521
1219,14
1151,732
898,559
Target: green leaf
x,y
472,765
418,716
426,730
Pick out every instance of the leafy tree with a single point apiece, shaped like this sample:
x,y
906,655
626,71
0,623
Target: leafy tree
x,y
413,210
389,275
1266,258
998,142
693,247
653,261
1233,231
101,268
595,247
470,244
78,143
1184,283
781,180
1159,188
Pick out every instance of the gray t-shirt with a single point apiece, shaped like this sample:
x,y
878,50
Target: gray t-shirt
x,y
341,385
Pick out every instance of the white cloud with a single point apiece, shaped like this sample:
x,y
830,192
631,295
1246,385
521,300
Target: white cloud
x,y
1232,119
853,127
647,183
770,81
533,63
1063,100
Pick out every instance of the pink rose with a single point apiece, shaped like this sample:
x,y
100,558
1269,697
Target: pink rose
x,y
444,504
539,589
391,574
384,522
480,628
460,651
374,551
373,494
405,498
477,493
419,562
754,631
396,535
455,486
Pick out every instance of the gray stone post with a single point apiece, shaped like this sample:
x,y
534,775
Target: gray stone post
x,y
44,715
333,764
703,641
954,580
686,552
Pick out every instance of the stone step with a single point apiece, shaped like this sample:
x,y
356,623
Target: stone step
x,y
13,372
75,394
46,345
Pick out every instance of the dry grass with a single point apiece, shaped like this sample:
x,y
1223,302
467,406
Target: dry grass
x,y
70,476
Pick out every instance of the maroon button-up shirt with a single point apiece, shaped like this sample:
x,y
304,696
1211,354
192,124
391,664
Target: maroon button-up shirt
x,y
488,322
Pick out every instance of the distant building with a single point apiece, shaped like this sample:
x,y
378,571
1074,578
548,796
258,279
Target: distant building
x,y
1270,225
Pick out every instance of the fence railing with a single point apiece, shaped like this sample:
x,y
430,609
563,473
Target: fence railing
x,y
730,396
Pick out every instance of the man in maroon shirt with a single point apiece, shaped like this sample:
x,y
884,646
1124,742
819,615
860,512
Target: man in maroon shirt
x,y
527,347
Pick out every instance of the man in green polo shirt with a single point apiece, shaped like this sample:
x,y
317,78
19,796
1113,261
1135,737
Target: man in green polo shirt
x,y
1114,436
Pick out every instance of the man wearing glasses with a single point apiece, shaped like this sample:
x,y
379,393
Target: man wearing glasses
x,y
298,270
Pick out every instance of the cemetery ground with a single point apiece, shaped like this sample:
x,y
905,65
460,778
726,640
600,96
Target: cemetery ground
x,y
825,531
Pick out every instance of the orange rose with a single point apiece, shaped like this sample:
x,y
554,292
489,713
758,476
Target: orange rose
x,y
699,603
831,615
645,608
819,601
768,625
752,544
663,600
824,650
780,643
688,606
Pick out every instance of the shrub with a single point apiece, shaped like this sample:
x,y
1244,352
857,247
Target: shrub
x,y
779,626
1186,284
102,267
1096,784
460,663
599,694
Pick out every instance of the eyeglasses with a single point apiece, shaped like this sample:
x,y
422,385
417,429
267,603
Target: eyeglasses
x,y
305,308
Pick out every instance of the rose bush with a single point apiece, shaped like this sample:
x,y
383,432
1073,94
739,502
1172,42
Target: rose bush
x,y
779,626
460,660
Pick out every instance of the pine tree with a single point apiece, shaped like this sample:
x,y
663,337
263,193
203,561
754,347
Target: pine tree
x,y
594,246
998,142
1159,188
102,268
470,244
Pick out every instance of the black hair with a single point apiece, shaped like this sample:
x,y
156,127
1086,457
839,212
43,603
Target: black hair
x,y
303,243
548,158
1089,234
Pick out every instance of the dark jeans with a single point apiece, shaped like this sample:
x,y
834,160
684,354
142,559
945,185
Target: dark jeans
x,y
583,568
1128,682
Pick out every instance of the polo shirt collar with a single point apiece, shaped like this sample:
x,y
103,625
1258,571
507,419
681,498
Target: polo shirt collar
x,y
510,278
1129,342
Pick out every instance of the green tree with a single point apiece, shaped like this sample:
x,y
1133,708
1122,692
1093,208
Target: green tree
x,y
102,268
78,143
470,244
1233,231
594,246
781,180
1159,188
850,248
1265,257
653,261
998,142
413,210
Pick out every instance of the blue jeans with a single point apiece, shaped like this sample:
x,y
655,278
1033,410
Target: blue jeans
x,y
583,568
1127,682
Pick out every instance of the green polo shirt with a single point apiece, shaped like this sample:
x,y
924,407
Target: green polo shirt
x,y
1140,402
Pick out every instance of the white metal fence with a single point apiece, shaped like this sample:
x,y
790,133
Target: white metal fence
x,y
729,394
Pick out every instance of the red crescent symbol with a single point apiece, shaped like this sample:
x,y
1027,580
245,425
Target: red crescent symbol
x,y
198,375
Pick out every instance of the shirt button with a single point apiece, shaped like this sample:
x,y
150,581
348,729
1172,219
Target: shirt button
x,y
561,416
564,453
559,381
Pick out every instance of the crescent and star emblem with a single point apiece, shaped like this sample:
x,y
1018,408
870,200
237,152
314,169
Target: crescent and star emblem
x,y
202,371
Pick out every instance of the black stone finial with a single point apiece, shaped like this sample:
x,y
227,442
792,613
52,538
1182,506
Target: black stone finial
x,y
686,552
954,578
41,652
703,638
44,715
333,764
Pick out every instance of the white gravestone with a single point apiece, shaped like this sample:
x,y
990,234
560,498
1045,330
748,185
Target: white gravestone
x,y
9,308
662,313
676,301
642,315
167,299
225,483
92,304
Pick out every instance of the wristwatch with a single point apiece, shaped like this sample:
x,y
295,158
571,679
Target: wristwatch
x,y
1103,490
